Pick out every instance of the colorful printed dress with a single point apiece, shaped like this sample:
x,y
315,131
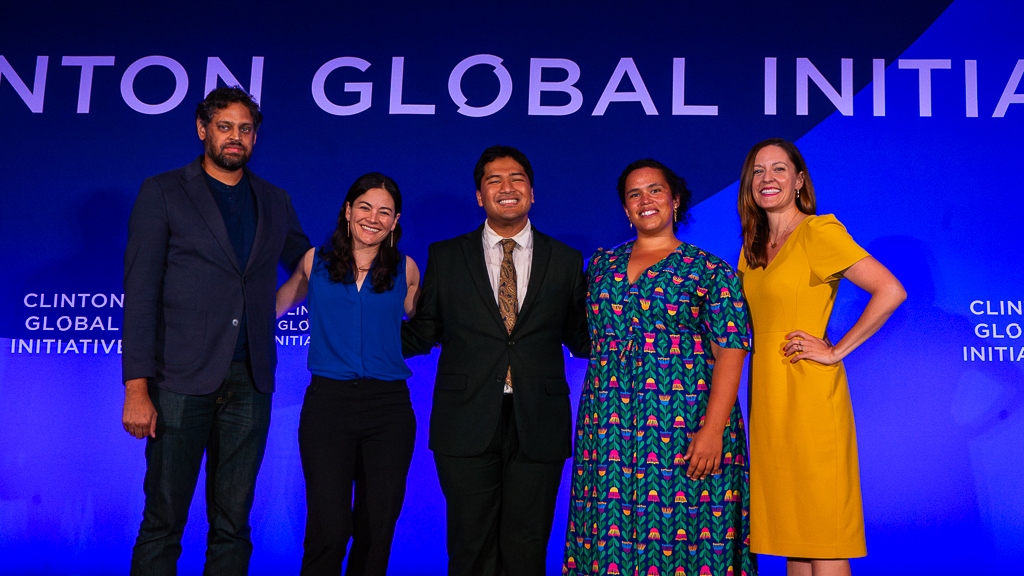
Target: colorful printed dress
x,y
632,510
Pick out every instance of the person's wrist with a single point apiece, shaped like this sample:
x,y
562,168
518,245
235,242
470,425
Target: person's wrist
x,y
835,354
136,386
713,428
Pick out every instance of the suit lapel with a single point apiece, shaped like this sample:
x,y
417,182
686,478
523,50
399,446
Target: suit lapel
x,y
473,250
539,268
202,198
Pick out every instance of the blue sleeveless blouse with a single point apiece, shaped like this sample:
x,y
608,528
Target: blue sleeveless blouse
x,y
355,333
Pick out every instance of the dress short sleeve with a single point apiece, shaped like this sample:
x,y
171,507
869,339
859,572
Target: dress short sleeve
x,y
830,248
597,264
726,317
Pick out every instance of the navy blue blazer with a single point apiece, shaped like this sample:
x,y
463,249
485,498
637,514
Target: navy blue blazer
x,y
184,289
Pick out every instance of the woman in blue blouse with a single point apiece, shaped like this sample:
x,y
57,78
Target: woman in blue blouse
x,y
357,428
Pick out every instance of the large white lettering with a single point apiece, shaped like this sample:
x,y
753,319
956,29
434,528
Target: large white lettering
x,y
771,91
128,84
552,86
364,89
924,80
215,68
842,100
626,67
504,90
32,98
1009,96
679,105
878,86
971,87
397,80
567,86
88,65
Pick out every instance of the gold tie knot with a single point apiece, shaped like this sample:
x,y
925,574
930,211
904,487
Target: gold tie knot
x,y
508,244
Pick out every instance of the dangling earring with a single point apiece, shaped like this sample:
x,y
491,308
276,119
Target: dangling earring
x,y
630,224
392,238
674,217
797,193
348,229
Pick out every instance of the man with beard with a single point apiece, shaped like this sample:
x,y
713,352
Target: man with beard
x,y
200,275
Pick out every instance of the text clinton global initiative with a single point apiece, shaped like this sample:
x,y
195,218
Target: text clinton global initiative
x,y
958,77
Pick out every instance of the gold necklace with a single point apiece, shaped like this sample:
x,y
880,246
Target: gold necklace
x,y
777,236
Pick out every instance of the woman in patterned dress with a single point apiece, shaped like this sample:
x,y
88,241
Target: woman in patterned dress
x,y
659,482
805,484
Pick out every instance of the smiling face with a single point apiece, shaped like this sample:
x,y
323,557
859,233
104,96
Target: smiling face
x,y
775,180
505,194
371,217
229,137
649,202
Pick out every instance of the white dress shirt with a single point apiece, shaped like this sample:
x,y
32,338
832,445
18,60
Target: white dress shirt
x,y
522,259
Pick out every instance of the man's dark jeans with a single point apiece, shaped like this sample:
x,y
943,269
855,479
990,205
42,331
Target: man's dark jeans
x,y
230,426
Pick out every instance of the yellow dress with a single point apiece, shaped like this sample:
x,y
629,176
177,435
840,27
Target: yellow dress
x,y
804,480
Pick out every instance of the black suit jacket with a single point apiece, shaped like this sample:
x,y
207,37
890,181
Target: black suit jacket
x,y
457,308
184,289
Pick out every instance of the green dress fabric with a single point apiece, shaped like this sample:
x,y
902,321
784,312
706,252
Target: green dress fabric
x,y
632,510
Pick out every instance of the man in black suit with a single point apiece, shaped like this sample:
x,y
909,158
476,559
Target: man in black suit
x,y
501,300
200,274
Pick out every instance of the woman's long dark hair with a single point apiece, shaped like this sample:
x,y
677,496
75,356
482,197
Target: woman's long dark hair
x,y
337,252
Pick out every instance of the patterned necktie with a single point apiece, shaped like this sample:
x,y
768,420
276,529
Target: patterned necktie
x,y
508,298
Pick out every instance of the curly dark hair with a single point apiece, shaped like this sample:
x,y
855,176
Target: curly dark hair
x,y
337,252
221,98
675,182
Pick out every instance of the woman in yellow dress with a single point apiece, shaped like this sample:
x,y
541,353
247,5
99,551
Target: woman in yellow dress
x,y
805,501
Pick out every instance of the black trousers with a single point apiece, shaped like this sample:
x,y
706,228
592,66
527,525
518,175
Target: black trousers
x,y
354,434
500,506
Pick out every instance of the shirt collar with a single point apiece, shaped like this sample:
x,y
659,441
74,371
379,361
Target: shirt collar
x,y
524,238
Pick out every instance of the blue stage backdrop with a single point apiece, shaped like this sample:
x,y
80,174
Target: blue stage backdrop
x,y
910,115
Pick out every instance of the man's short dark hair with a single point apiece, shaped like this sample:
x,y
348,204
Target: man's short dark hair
x,y
495,152
221,98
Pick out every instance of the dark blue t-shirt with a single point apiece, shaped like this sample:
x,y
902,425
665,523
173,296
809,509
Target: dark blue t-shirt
x,y
238,207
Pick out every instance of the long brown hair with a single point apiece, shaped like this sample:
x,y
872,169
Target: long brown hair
x,y
752,217
337,252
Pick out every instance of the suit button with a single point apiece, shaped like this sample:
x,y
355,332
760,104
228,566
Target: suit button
x,y
511,342
499,379
234,321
